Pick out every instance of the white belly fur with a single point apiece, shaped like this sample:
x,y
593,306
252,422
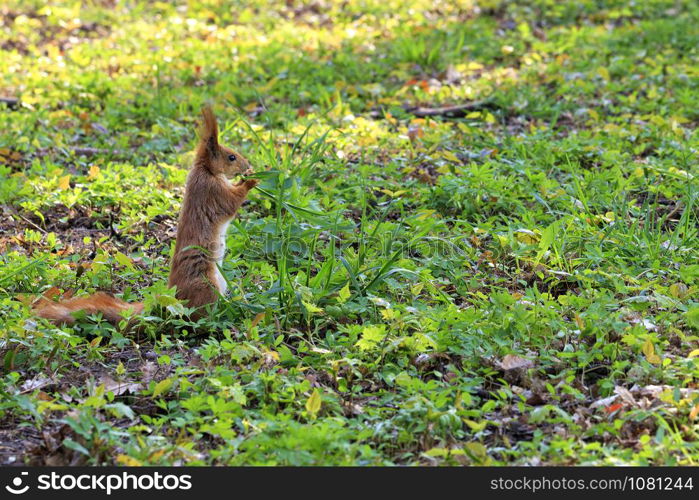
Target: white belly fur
x,y
220,282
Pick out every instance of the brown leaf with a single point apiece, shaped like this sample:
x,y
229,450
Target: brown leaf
x,y
625,395
512,362
36,383
149,370
119,388
536,398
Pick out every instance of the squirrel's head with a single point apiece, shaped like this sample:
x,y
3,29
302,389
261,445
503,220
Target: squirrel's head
x,y
212,156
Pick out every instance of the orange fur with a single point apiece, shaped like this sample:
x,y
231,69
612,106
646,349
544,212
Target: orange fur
x,y
110,307
210,202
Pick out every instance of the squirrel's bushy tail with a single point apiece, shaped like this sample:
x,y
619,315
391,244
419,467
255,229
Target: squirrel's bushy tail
x,y
110,307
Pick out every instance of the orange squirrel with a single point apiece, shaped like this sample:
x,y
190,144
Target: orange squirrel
x,y
210,203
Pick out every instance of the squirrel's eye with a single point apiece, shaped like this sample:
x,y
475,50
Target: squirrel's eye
x,y
231,157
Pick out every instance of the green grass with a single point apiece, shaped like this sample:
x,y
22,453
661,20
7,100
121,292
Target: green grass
x,y
519,285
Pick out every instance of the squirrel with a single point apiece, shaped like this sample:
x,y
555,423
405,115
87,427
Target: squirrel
x,y
210,203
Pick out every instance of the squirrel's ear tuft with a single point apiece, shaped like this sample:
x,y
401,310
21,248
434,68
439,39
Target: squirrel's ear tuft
x,y
208,133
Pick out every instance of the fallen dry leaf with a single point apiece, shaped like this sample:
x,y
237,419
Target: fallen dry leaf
x,y
512,362
35,383
119,388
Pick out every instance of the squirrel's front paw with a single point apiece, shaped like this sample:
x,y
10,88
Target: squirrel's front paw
x,y
251,183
